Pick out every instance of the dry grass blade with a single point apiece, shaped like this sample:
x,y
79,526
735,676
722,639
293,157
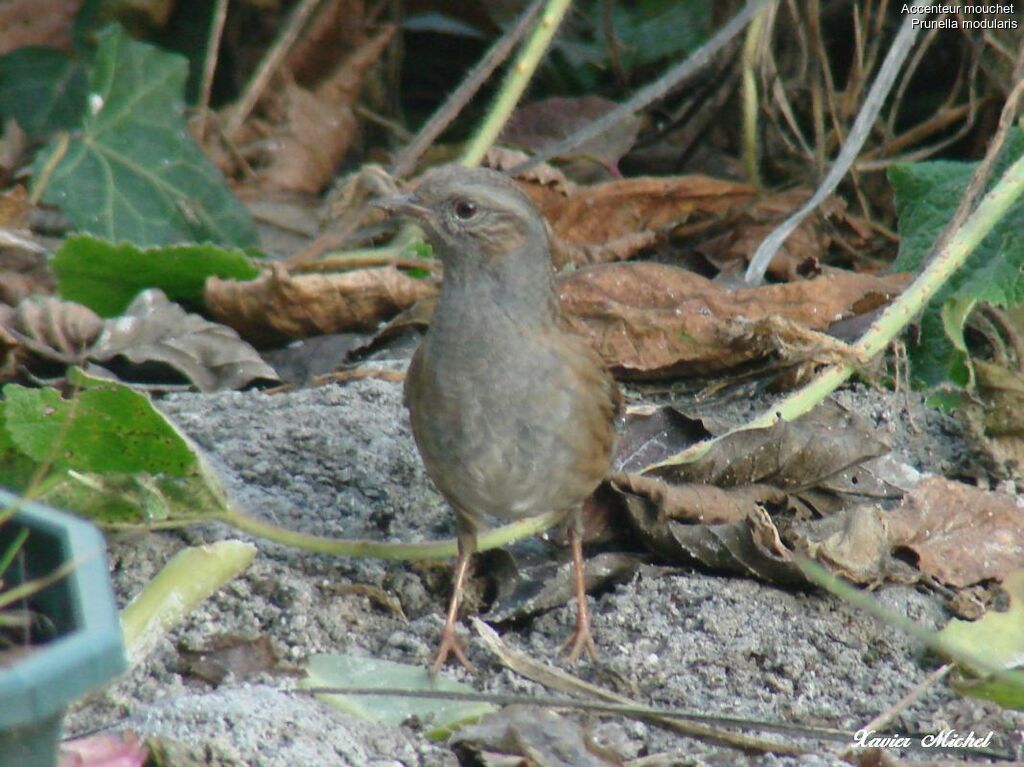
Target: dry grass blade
x,y
567,683
880,88
652,92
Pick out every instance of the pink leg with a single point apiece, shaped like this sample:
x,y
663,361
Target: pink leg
x,y
580,639
450,642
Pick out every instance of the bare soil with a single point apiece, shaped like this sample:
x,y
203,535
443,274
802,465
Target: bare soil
x,y
340,461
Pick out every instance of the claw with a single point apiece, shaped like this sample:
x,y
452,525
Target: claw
x,y
450,645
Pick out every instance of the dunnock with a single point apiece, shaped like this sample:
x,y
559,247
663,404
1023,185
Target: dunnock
x,y
512,413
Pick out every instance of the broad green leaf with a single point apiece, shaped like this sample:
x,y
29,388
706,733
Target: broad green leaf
x,y
927,196
106,276
441,717
43,89
998,637
16,468
133,172
108,428
106,452
130,499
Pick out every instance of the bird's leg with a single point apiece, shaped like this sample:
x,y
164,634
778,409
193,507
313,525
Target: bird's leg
x,y
450,642
580,639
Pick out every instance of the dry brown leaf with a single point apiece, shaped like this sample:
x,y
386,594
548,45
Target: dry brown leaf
x,y
797,258
52,325
314,128
222,655
620,249
539,124
532,735
958,533
699,504
340,25
15,208
277,306
37,22
503,158
955,533
604,212
650,320
154,332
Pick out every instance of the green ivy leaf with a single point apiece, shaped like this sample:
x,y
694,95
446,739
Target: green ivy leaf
x,y
106,276
106,454
927,195
43,89
16,468
133,172
107,427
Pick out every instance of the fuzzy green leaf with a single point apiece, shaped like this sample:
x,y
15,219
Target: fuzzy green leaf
x,y
133,172
107,427
106,276
927,196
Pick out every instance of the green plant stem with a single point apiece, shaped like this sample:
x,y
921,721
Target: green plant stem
x,y
894,319
191,576
751,144
364,549
516,81
935,641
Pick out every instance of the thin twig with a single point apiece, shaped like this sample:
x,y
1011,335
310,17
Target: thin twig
x,y
220,14
883,719
894,319
650,93
268,66
11,239
633,711
901,46
388,124
462,95
753,51
516,80
523,664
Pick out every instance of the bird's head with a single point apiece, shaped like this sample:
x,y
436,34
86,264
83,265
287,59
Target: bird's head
x,y
471,214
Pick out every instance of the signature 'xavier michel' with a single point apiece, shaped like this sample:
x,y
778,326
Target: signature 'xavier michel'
x,y
512,413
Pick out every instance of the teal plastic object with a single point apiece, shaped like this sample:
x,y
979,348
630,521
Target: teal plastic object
x,y
84,649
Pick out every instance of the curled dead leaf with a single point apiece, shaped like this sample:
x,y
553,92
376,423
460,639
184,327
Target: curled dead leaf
x,y
529,735
699,504
310,130
958,533
63,327
650,320
604,212
799,255
542,174
278,306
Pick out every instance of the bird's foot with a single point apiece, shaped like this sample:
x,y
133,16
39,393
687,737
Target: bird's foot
x,y
579,640
450,645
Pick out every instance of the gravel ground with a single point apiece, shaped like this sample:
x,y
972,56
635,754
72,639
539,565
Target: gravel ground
x,y
340,461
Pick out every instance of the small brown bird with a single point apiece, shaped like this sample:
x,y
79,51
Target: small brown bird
x,y
512,413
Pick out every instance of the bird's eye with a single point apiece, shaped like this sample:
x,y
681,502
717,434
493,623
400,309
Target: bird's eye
x,y
465,210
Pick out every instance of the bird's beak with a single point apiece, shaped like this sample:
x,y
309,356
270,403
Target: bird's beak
x,y
402,205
